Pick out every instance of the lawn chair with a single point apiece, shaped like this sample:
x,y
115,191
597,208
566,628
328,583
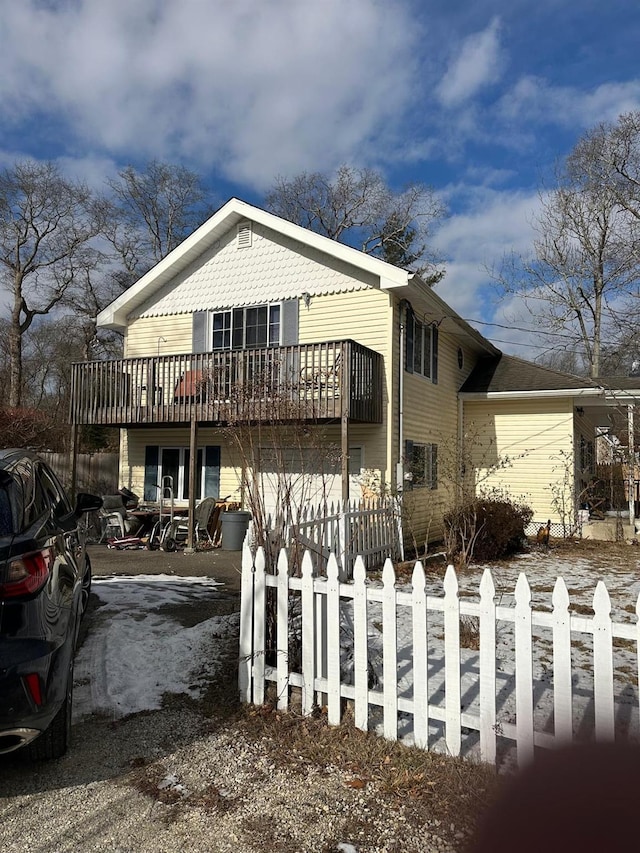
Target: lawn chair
x,y
177,531
116,521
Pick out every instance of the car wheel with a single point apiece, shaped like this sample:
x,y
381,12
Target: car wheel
x,y
86,585
54,741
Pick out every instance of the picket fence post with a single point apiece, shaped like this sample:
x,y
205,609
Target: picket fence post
x,y
452,661
389,652
333,642
245,665
524,671
259,627
487,628
308,635
603,664
420,657
562,689
282,650
360,650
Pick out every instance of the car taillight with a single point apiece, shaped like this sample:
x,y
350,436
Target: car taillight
x,y
34,688
26,574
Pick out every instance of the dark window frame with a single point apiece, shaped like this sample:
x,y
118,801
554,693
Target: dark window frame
x,y
421,463
421,347
247,327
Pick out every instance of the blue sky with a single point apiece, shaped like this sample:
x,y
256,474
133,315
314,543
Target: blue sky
x,y
477,99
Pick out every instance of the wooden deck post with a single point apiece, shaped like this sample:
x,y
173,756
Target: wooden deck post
x,y
74,461
345,396
345,458
193,461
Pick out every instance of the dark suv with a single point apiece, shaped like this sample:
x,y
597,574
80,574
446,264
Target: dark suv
x,y
45,579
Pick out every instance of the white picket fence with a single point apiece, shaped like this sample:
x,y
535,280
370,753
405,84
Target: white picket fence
x,y
371,529
426,685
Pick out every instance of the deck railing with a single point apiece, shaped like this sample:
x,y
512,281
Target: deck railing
x,y
303,382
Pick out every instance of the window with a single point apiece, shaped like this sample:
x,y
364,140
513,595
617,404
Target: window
x,y
246,328
173,471
221,338
168,467
421,464
421,354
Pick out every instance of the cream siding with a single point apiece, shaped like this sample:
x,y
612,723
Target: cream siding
x,y
365,317
362,316
431,417
524,448
144,337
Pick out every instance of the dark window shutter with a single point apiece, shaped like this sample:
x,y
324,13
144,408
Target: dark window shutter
x,y
408,465
408,339
433,473
289,322
199,332
434,355
151,490
212,471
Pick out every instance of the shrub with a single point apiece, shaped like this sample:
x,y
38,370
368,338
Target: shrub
x,y
486,528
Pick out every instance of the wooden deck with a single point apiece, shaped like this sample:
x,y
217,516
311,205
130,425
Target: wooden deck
x,y
309,382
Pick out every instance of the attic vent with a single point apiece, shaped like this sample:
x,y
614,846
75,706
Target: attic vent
x,y
244,235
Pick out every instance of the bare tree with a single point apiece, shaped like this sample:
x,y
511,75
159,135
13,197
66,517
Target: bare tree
x,y
609,156
47,225
153,211
356,206
584,265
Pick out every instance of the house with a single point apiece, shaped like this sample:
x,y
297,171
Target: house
x,y
531,431
258,347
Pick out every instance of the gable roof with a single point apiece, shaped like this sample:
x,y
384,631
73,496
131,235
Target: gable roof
x,y
504,374
115,315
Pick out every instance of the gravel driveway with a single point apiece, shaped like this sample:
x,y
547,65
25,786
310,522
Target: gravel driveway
x,y
187,776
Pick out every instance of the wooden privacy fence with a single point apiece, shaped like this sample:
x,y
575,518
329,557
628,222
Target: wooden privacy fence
x,y
315,633
371,529
96,472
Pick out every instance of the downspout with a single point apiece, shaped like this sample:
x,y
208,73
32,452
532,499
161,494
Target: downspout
x,y
400,463
461,463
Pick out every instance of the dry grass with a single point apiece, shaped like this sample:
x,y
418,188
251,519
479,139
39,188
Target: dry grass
x,y
470,633
429,786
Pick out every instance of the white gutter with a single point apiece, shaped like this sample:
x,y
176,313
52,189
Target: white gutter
x,y
525,395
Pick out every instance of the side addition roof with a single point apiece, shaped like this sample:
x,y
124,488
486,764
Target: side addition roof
x,y
507,374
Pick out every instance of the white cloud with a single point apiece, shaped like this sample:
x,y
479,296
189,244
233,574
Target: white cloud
x,y
492,224
477,65
254,87
536,100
